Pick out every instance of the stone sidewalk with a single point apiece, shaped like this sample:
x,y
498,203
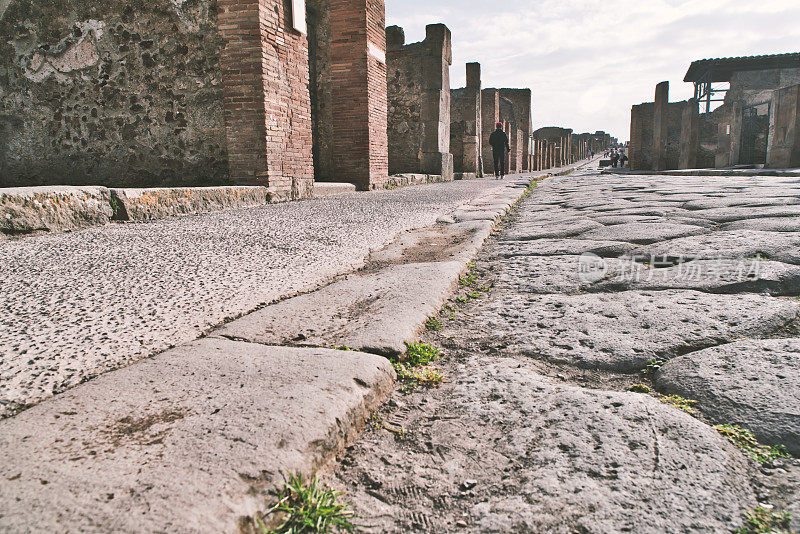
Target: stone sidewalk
x,y
79,304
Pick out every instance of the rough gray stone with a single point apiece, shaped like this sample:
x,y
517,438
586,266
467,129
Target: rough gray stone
x,y
643,233
623,331
375,312
188,441
738,213
567,228
36,210
563,247
548,458
769,224
158,203
734,244
754,384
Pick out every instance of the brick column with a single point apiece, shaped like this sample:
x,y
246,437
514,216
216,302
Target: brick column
x,y
358,88
264,65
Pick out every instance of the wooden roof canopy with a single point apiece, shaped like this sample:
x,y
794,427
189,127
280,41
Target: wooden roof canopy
x,y
722,69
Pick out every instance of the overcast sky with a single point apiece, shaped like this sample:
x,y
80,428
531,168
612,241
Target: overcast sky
x,y
588,61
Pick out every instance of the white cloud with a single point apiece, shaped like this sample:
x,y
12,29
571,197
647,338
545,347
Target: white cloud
x,y
589,61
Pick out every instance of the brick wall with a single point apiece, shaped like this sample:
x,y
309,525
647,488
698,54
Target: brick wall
x,y
640,150
267,102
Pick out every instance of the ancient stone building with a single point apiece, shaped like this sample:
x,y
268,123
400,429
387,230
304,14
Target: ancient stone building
x,y
490,116
754,125
557,145
419,102
465,125
193,92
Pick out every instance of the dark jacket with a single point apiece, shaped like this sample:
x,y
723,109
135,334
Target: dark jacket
x,y
499,142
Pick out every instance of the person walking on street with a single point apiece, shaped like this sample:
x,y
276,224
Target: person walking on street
x,y
500,147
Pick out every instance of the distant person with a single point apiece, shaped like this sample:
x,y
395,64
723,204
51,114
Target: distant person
x,y
614,158
623,160
500,147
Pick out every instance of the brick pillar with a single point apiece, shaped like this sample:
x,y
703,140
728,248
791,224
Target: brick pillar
x,y
358,87
660,127
265,75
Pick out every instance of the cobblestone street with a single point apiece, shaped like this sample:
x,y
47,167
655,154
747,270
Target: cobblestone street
x,y
682,286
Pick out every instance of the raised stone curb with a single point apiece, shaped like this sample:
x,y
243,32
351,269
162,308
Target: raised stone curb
x,y
188,441
159,203
329,189
32,210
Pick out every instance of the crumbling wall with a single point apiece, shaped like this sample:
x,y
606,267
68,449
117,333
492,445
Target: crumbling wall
x,y
749,88
672,142
112,93
318,13
418,77
707,141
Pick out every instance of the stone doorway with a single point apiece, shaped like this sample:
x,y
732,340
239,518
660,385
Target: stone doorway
x,y
755,132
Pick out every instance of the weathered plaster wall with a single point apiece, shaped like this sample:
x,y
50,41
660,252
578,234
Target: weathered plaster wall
x,y
755,87
113,93
674,119
490,115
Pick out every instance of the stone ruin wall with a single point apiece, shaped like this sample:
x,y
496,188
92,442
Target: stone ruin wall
x,y
321,89
641,143
673,140
418,79
490,115
113,93
404,78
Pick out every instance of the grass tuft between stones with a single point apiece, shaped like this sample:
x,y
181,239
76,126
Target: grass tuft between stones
x,y
415,370
306,506
638,388
760,521
679,402
747,442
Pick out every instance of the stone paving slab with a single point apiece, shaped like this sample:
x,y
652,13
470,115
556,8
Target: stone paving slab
x,y
753,383
373,312
147,204
188,441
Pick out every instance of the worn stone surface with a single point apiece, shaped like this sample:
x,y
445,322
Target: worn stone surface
x,y
166,282
770,224
734,244
504,449
623,331
150,204
188,441
643,233
139,83
36,210
373,312
754,384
